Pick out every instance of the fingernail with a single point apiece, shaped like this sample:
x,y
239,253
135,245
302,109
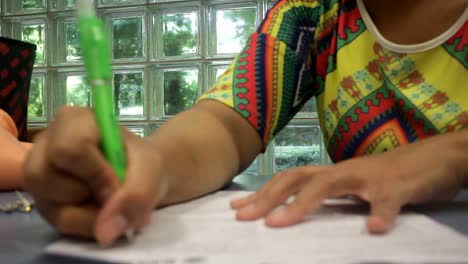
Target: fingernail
x,y
115,227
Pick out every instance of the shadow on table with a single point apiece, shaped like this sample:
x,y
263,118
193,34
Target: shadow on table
x,y
449,214
48,259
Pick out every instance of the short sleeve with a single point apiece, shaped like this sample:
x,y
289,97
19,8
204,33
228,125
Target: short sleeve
x,y
273,76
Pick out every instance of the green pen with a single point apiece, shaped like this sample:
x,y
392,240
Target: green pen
x,y
96,51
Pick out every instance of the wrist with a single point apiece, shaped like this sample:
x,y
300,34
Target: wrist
x,y
174,169
161,166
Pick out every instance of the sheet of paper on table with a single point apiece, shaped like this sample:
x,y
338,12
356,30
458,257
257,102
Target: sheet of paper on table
x,y
205,231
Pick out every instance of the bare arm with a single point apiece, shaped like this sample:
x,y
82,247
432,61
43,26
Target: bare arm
x,y
204,148
194,153
12,154
460,144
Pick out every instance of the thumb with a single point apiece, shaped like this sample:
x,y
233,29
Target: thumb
x,y
383,215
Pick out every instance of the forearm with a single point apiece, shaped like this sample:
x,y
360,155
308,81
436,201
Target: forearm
x,y
10,173
203,149
455,146
12,155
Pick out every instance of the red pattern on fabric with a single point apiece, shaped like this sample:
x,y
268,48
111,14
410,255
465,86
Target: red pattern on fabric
x,y
249,90
462,35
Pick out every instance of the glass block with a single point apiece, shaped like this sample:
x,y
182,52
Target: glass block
x,y
35,33
120,2
310,106
72,45
177,90
129,92
298,145
127,37
266,162
37,98
230,28
24,6
33,4
153,127
78,92
164,1
271,3
308,110
214,71
137,130
252,169
68,49
63,4
36,127
219,71
178,34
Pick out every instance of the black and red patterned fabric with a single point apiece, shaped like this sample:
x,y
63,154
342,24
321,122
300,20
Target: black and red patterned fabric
x,y
16,66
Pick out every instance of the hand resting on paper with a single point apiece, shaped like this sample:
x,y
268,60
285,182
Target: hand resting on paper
x,y
433,169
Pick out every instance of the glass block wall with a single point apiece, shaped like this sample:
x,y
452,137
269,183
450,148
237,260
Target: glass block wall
x,y
166,53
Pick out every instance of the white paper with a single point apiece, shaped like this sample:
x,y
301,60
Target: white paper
x,y
205,231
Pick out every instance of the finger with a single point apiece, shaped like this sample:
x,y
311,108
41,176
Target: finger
x,y
42,181
94,170
331,182
132,204
241,202
275,193
145,221
73,148
384,211
70,220
307,200
127,208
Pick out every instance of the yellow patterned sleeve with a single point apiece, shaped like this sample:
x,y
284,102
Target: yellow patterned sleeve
x,y
275,75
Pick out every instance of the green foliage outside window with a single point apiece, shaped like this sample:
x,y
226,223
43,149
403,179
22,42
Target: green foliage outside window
x,y
33,4
73,50
179,35
128,89
298,146
128,38
36,107
180,91
78,91
35,34
244,20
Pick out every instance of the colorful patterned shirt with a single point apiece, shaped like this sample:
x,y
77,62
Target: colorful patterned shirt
x,y
372,95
